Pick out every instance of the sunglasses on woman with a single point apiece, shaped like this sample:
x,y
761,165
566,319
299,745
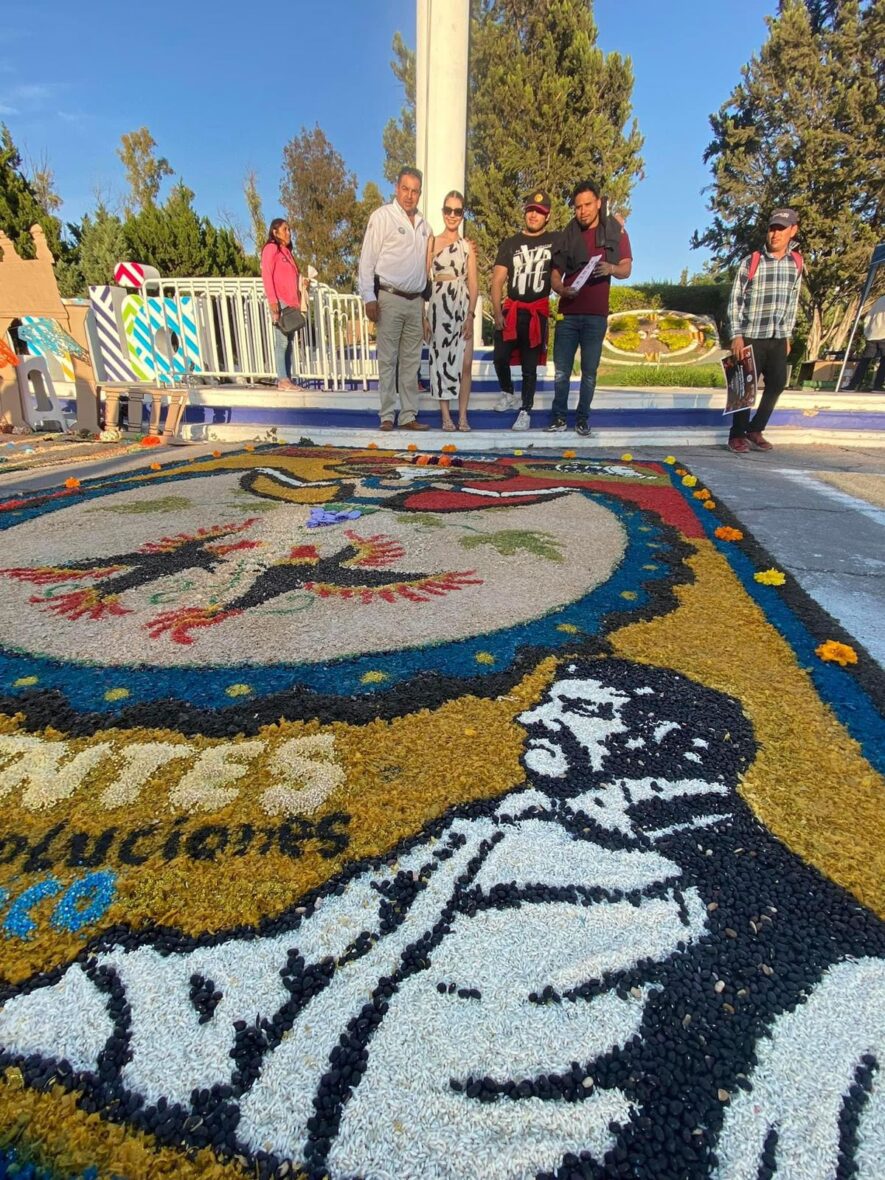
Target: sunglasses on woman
x,y
450,212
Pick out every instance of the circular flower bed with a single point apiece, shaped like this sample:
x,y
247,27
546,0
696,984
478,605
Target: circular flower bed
x,y
370,817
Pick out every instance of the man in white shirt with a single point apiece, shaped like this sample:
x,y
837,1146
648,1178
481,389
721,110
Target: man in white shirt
x,y
392,278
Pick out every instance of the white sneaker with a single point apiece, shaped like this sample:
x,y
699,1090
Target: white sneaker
x,y
508,401
523,421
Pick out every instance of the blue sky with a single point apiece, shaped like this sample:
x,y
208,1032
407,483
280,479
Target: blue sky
x,y
222,87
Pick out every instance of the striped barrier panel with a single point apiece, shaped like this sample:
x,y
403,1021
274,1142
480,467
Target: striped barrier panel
x,y
137,335
161,336
133,274
167,316
114,363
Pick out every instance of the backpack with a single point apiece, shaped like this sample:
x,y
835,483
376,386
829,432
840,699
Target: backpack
x,y
756,256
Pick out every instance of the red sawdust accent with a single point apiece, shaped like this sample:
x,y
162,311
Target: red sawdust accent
x,y
666,501
87,603
221,550
46,575
376,551
178,624
169,544
421,590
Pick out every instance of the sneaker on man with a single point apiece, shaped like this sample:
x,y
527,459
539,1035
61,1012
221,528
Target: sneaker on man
x,y
523,421
556,426
739,445
582,428
508,401
758,440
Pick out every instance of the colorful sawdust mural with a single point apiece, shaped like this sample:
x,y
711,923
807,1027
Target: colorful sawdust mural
x,y
373,814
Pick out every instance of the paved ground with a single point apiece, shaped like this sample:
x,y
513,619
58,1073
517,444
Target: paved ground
x,y
832,542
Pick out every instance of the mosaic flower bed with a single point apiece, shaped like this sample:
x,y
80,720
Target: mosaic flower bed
x,y
374,815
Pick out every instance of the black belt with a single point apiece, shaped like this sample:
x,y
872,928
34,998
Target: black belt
x,y
396,291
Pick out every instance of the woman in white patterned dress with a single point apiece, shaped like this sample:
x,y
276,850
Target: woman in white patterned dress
x,y
448,323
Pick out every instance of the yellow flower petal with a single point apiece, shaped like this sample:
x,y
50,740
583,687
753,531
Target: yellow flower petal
x,y
837,653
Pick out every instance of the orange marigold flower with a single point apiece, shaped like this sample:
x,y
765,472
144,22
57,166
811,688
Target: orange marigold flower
x,y
711,504
727,533
151,440
449,449
372,447
836,653
156,467
216,454
249,447
569,454
412,447
72,483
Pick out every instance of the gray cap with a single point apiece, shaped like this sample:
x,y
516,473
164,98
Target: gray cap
x,y
784,217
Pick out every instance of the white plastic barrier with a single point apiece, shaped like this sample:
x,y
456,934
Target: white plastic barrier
x,y
41,407
220,330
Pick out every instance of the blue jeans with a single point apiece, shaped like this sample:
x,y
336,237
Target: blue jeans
x,y
282,351
586,332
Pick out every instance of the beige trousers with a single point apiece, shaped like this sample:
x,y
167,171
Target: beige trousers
x,y
400,335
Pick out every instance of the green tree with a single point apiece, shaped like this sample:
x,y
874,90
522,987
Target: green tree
x,y
364,208
144,169
256,211
398,136
547,108
42,180
319,196
20,207
178,242
804,127
101,244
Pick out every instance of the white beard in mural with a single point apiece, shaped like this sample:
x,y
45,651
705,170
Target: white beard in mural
x,y
511,989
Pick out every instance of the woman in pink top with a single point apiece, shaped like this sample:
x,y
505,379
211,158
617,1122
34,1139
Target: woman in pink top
x,y
282,285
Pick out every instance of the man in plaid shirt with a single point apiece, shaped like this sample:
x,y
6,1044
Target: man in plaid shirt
x,y
761,313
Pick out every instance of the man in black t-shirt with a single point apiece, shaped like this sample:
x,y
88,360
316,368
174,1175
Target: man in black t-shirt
x,y
523,264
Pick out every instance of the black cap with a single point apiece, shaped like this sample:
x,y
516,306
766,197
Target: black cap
x,y
538,200
784,218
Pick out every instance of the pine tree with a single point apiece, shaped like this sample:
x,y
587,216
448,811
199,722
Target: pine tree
x,y
804,128
144,169
319,196
173,238
398,137
101,244
547,108
20,207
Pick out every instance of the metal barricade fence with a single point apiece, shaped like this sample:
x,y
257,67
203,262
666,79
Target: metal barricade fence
x,y
220,329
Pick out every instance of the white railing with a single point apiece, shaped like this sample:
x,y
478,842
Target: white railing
x,y
220,329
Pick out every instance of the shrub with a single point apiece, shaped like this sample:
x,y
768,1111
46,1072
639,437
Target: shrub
x,y
625,341
675,339
628,298
674,323
698,299
624,323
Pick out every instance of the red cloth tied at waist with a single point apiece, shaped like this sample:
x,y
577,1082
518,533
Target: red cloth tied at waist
x,y
537,309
